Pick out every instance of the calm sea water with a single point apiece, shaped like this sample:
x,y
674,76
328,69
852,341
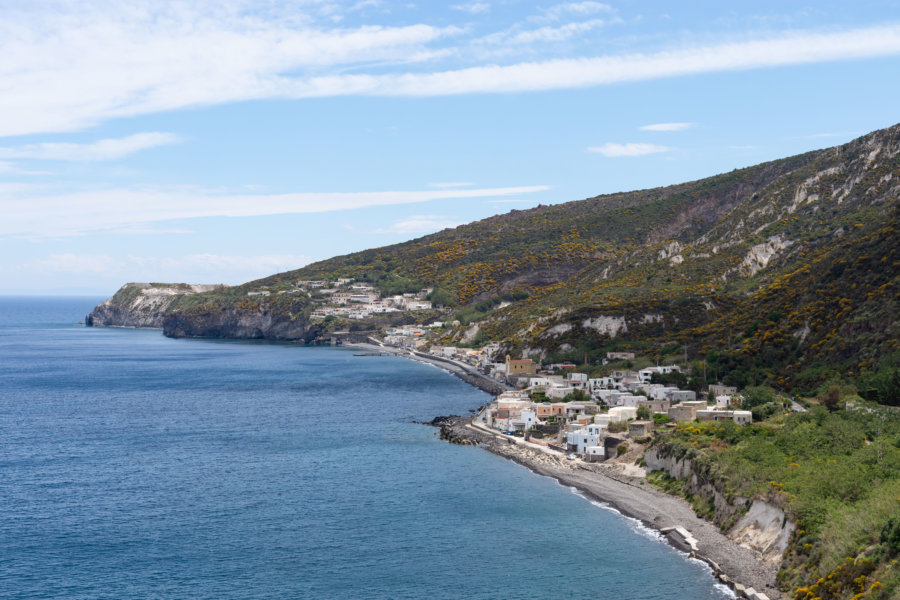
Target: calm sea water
x,y
135,466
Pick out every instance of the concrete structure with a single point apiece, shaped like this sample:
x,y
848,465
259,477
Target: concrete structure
x,y
698,404
739,417
594,454
640,428
656,406
722,390
516,367
682,412
620,355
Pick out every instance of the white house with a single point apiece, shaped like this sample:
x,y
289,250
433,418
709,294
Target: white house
x,y
622,413
677,396
557,393
525,421
579,441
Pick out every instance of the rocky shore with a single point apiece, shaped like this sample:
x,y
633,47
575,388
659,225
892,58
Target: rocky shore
x,y
623,487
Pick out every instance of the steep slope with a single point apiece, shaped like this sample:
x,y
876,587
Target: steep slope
x,y
775,271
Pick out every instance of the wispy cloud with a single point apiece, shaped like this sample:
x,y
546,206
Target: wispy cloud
x,y
91,61
107,149
85,62
579,8
473,8
33,212
613,150
420,224
544,34
667,127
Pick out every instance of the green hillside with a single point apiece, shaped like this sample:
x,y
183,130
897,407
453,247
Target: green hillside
x,y
785,272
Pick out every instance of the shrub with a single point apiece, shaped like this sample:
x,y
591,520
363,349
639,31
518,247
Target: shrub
x,y
890,535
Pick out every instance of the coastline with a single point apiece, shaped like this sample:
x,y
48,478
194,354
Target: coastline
x,y
625,491
732,564
467,373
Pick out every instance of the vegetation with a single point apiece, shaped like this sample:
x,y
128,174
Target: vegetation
x,y
837,473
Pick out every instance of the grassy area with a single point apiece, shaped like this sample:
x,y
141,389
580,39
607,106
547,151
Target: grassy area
x,y
836,473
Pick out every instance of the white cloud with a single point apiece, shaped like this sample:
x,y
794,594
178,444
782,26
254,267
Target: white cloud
x,y
36,212
613,150
107,149
86,62
580,8
546,34
585,72
473,8
420,224
667,127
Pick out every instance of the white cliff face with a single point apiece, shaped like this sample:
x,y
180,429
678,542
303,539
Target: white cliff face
x,y
558,330
610,326
765,530
760,255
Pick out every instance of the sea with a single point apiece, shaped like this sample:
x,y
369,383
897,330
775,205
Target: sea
x,y
137,466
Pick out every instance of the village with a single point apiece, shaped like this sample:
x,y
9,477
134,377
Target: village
x,y
350,299
588,418
555,406
594,419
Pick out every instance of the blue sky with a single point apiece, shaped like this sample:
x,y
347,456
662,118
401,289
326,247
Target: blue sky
x,y
224,141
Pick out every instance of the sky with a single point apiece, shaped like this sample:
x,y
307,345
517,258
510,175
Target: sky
x,y
223,141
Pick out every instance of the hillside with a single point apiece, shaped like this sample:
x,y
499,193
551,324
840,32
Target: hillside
x,y
784,273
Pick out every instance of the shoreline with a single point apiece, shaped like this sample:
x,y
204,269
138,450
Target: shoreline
x,y
467,373
732,564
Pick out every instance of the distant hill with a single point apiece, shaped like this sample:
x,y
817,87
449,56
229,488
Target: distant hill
x,y
785,272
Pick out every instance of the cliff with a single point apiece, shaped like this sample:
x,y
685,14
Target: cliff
x,y
142,305
214,311
757,525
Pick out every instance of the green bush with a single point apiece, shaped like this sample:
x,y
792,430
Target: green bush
x,y
890,535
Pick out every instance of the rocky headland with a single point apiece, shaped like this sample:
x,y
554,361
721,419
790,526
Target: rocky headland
x,y
207,311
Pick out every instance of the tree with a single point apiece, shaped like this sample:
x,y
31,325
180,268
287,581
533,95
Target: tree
x,y
643,413
441,297
831,399
757,396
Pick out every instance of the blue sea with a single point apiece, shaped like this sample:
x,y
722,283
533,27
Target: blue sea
x,y
136,466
